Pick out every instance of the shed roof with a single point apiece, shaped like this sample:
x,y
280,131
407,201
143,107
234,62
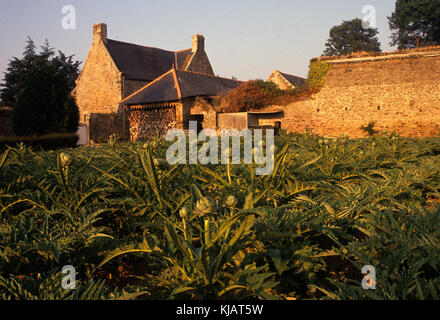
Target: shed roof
x,y
178,84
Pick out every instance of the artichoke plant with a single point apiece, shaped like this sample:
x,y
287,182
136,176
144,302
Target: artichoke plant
x,y
161,164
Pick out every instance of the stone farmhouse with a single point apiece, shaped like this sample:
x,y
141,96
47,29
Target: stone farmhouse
x,y
138,92
114,70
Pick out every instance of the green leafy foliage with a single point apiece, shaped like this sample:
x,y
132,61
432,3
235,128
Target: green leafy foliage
x,y
351,36
317,72
19,70
135,227
45,105
415,23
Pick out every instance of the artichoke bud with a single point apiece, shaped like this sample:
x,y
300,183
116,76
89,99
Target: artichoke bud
x,y
66,159
231,201
184,213
206,206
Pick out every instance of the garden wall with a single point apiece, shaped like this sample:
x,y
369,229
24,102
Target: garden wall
x,y
236,120
400,92
103,125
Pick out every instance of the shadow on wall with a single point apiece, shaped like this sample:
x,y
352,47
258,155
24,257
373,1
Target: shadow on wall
x,y
103,125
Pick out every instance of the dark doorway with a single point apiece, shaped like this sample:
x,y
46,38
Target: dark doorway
x,y
199,119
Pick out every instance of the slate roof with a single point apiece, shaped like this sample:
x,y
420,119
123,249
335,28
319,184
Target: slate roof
x,y
294,80
179,84
144,63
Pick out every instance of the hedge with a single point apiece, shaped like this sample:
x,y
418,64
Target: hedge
x,y
46,142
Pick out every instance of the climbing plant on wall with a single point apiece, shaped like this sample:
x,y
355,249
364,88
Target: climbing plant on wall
x,y
317,72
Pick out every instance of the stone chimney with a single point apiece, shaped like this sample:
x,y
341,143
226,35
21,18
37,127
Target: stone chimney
x,y
198,43
100,32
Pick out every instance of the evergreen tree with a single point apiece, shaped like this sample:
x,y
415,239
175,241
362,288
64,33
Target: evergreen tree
x,y
16,74
44,103
351,37
70,67
18,70
415,23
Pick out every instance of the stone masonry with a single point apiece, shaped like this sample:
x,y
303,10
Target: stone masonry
x,y
199,61
399,92
102,85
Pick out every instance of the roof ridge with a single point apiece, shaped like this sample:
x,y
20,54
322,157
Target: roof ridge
x,y
149,47
289,74
209,75
144,87
176,82
183,50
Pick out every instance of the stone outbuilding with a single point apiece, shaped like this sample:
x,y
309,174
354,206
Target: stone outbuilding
x,y
114,70
286,81
174,99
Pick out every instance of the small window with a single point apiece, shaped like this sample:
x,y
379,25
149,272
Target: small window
x,y
378,107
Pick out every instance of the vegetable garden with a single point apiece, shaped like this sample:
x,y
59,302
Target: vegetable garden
x,y
135,227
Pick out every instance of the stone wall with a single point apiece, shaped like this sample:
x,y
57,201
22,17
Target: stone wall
x,y
103,125
236,120
399,92
203,107
269,119
146,124
99,88
5,121
282,83
199,61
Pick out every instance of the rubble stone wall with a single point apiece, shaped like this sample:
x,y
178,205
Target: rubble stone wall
x,y
399,93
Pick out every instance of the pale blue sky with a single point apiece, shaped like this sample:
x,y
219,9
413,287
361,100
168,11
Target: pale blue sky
x,y
244,38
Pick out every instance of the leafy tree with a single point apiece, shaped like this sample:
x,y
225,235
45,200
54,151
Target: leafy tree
x,y
45,104
415,23
349,37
